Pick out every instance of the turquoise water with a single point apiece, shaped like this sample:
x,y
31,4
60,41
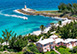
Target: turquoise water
x,y
21,26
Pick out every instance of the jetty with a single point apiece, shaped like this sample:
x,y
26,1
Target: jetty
x,y
29,11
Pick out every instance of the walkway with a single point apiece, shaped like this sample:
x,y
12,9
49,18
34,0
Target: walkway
x,y
56,51
41,38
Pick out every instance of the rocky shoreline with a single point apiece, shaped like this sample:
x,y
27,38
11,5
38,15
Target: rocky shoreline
x,y
45,14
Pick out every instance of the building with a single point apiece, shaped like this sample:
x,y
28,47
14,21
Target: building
x,y
25,7
50,43
44,45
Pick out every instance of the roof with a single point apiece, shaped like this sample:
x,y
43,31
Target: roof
x,y
58,40
53,36
45,41
69,40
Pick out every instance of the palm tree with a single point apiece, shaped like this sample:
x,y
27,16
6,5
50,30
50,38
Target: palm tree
x,y
42,28
52,27
52,24
59,22
7,35
1,40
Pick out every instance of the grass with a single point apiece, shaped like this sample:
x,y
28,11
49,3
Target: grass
x,y
12,53
74,15
53,12
64,51
51,52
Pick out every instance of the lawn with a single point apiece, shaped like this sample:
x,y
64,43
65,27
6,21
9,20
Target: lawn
x,y
12,53
49,52
53,12
64,51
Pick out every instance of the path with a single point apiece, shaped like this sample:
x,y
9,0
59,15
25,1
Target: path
x,y
41,38
56,51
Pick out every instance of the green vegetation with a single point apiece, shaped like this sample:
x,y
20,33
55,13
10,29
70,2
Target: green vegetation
x,y
74,50
68,31
68,8
64,50
60,22
53,28
7,35
42,28
17,43
31,48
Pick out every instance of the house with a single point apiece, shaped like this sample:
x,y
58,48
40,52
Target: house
x,y
54,37
48,44
45,45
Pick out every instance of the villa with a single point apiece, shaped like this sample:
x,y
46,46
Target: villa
x,y
50,43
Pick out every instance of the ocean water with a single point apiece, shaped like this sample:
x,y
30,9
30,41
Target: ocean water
x,y
11,20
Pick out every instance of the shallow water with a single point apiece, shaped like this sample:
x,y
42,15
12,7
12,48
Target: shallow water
x,y
12,21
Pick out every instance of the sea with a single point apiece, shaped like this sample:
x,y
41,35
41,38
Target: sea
x,y
11,20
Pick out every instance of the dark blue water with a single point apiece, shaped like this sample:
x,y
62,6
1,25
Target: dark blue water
x,y
10,20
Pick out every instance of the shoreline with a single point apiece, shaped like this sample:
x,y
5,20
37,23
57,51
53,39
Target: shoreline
x,y
49,13
38,32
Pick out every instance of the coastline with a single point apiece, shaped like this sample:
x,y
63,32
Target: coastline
x,y
38,32
49,13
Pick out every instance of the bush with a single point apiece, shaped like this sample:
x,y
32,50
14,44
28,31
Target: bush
x,y
10,50
33,48
56,47
51,50
62,46
26,52
5,47
1,48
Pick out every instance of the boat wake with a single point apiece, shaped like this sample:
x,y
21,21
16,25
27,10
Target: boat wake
x,y
17,16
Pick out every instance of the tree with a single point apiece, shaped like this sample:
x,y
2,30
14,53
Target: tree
x,y
74,50
1,40
32,48
42,28
68,8
52,27
68,30
58,29
60,22
17,43
62,7
7,35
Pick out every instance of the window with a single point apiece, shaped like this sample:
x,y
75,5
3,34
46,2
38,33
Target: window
x,y
36,44
45,44
64,43
70,42
45,48
40,45
51,42
58,43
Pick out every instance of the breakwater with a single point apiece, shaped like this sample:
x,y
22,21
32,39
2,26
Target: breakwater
x,y
45,14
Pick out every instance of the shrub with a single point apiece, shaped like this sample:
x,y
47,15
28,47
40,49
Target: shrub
x,y
56,47
62,46
10,50
5,47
